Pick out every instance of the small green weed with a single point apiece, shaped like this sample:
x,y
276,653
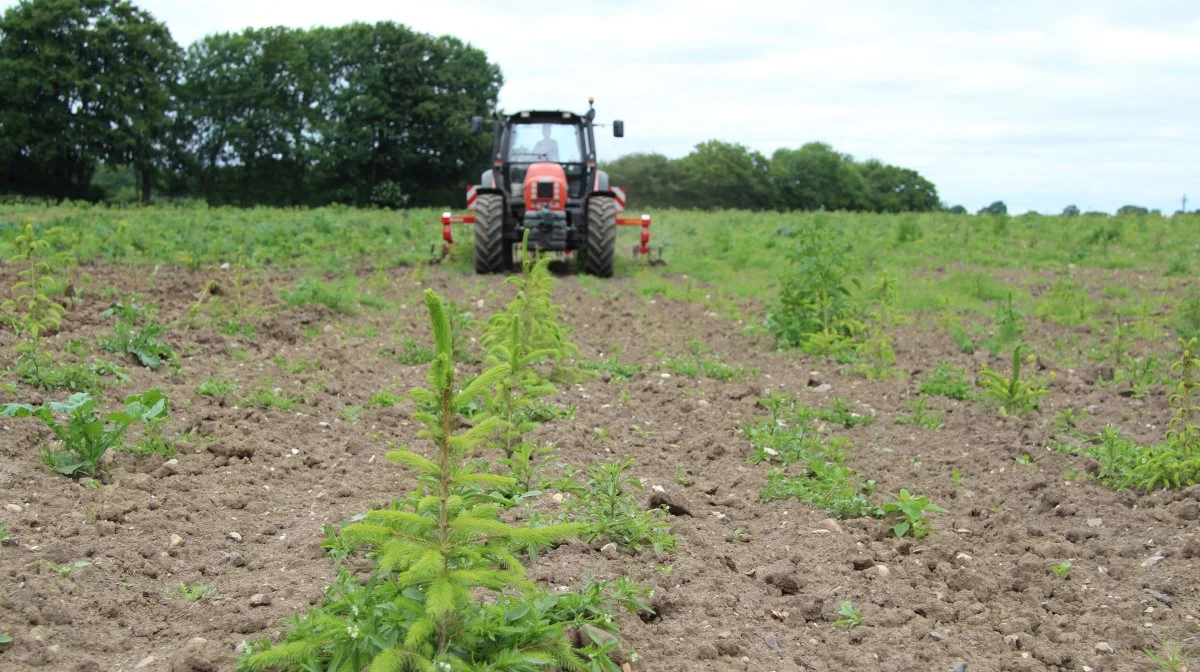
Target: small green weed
x,y
1062,570
851,617
213,387
617,371
910,511
144,345
607,507
411,352
1173,658
194,593
383,399
947,380
919,415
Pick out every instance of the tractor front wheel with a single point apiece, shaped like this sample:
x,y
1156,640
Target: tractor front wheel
x,y
491,254
601,236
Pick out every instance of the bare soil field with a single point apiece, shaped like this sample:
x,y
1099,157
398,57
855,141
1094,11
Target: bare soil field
x,y
751,584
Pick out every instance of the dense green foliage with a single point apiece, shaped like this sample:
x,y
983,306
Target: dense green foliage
x,y
357,114
722,175
361,114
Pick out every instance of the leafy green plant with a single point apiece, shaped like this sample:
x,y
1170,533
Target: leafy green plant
x,y
617,371
212,387
194,593
909,512
1010,326
1065,304
1013,395
919,415
341,297
382,399
606,505
698,364
87,435
65,571
267,396
435,552
1183,433
851,617
815,308
31,312
1062,570
144,345
811,465
947,380
411,352
1187,319
1173,659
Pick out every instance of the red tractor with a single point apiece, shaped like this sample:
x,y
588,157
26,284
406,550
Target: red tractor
x,y
544,181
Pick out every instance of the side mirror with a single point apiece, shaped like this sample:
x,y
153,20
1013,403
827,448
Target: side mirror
x,y
477,125
618,129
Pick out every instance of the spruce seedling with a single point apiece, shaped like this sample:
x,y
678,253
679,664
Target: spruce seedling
x,y
1014,395
31,311
434,553
541,329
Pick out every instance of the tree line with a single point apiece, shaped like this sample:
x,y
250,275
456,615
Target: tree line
x,y
98,101
718,174
96,93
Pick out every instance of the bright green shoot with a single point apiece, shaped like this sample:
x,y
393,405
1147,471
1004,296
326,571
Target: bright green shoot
x,y
910,510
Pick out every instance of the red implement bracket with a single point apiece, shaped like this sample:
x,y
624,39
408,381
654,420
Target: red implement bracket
x,y
644,222
447,238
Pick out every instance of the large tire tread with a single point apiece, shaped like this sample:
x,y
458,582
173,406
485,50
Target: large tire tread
x,y
600,257
490,250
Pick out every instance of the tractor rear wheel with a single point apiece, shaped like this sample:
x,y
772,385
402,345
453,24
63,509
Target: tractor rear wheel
x,y
491,254
601,236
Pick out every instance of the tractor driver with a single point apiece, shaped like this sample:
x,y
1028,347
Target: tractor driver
x,y
547,146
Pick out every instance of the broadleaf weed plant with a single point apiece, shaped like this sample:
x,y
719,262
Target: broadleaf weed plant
x,y
87,436
435,552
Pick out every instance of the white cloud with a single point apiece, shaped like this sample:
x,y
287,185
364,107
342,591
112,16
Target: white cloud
x,y
1038,104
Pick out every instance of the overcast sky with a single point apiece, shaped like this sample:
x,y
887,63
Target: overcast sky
x,y
1040,104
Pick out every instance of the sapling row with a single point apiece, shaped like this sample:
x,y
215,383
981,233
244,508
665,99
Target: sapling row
x,y
438,550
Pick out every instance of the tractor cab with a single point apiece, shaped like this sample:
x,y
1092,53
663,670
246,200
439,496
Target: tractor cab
x,y
559,139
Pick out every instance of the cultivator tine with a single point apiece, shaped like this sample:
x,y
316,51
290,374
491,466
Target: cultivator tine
x,y
447,238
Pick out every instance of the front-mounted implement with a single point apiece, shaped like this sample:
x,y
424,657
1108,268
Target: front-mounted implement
x,y
544,181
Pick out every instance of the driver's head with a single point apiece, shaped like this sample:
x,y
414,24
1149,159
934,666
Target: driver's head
x,y
546,131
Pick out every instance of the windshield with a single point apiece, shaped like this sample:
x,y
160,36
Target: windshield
x,y
545,142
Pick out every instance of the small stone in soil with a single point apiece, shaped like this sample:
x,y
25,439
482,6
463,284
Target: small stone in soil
x,y
771,642
937,636
609,550
235,536
176,540
15,508
1161,597
960,666
1103,647
259,600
